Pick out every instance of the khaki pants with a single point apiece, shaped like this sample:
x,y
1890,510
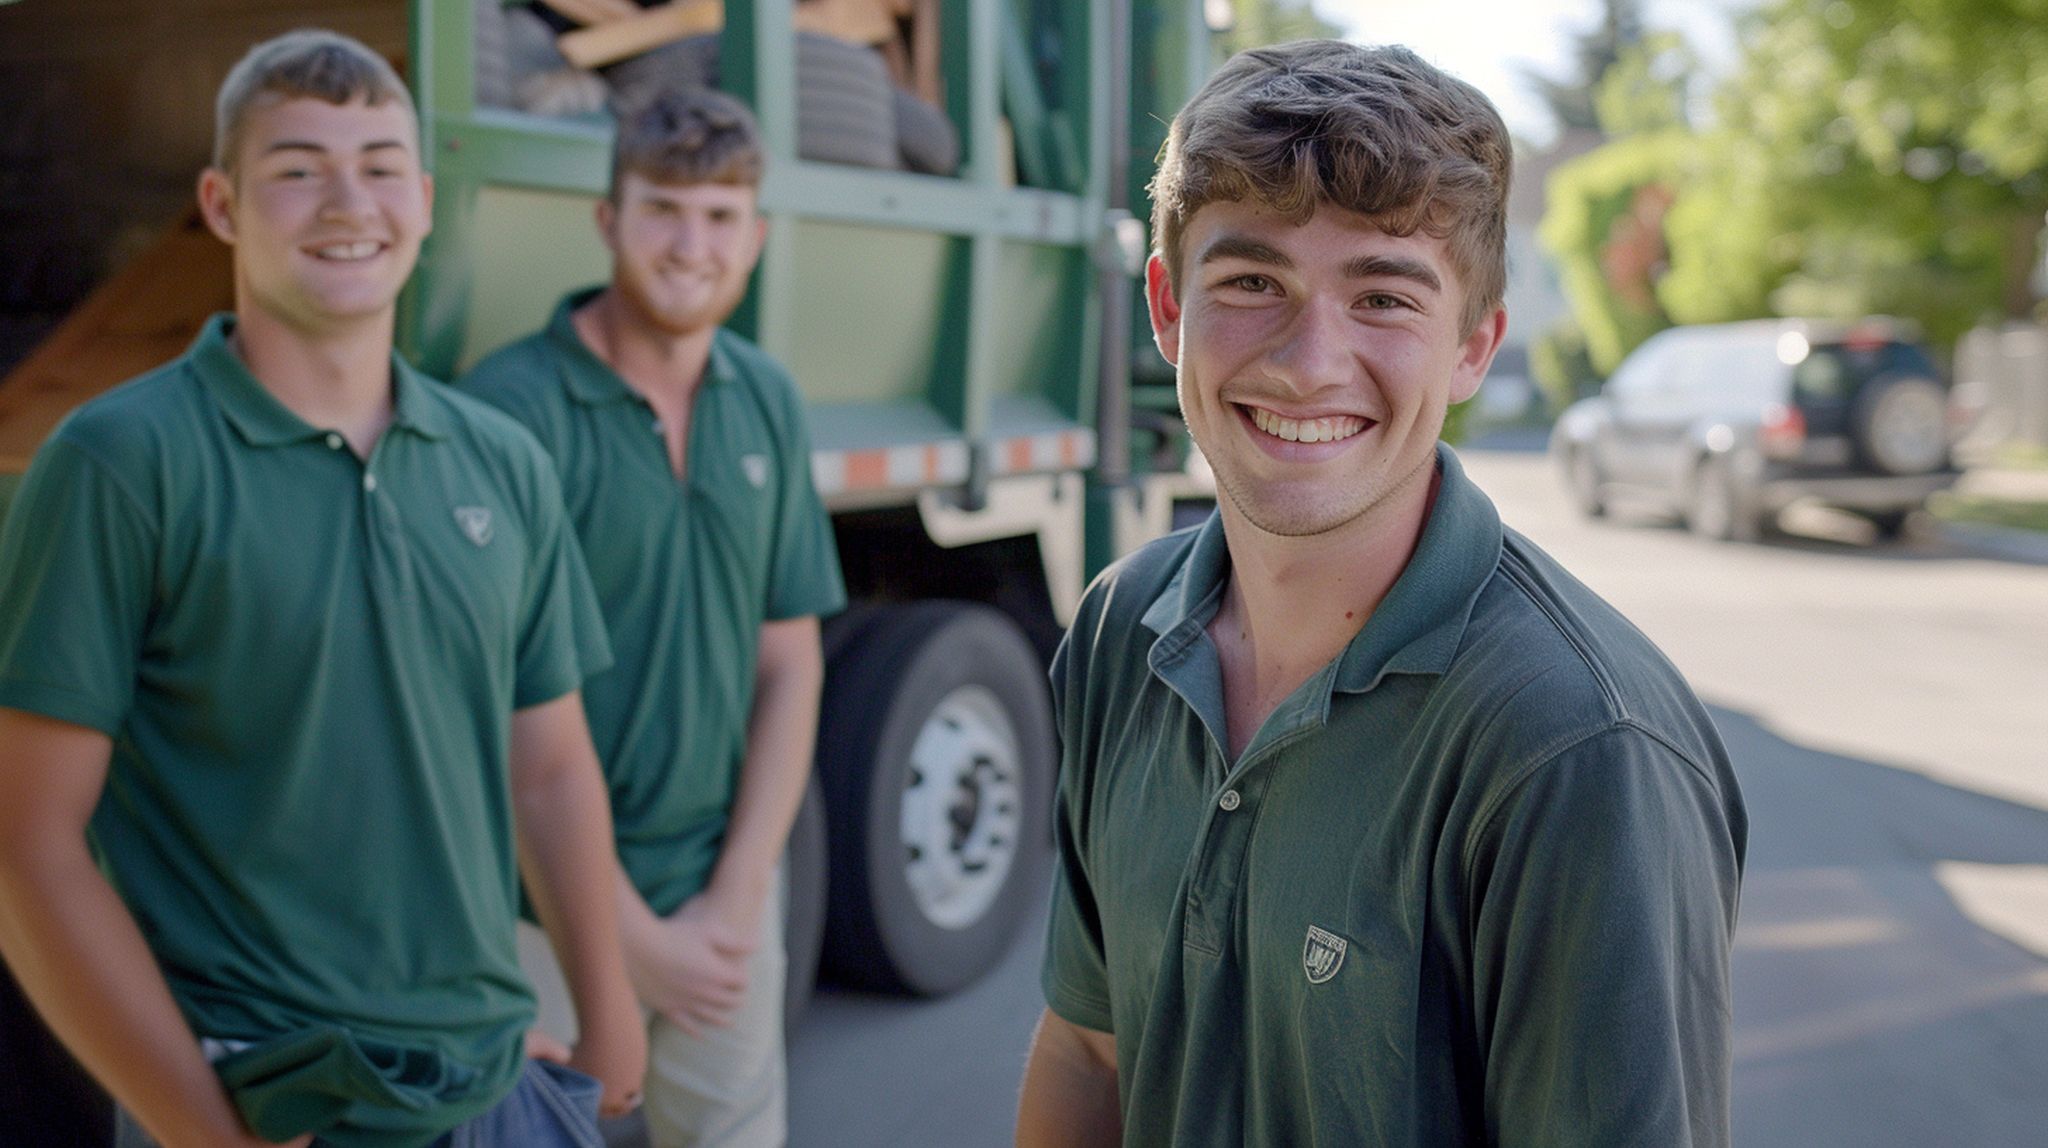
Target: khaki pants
x,y
726,1089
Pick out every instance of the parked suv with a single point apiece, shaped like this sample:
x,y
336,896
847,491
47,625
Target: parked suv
x,y
1728,424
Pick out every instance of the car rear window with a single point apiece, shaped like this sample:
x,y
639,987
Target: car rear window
x,y
1833,372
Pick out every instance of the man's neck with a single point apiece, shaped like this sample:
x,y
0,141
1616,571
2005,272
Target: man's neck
x,y
664,367
338,380
1292,605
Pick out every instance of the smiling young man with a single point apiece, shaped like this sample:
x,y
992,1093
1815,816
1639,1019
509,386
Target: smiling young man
x,y
687,472
1375,826
291,639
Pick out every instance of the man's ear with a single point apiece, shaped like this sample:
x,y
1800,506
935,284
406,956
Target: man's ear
x,y
1164,309
1477,354
217,203
607,216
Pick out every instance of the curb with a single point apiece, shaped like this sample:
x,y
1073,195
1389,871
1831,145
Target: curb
x,y
2009,543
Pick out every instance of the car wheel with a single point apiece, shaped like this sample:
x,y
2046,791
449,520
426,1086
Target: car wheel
x,y
1901,424
935,745
803,910
1582,475
1717,508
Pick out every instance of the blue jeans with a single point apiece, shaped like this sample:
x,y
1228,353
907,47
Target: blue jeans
x,y
552,1106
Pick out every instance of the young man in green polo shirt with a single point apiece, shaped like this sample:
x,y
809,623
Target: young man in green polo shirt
x,y
686,468
1375,826
291,639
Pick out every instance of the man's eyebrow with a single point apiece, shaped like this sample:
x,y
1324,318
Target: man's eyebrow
x,y
322,149
1395,267
1239,247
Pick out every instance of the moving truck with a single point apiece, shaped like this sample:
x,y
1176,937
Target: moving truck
x,y
958,301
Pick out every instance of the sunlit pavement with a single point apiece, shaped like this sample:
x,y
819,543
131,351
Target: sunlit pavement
x,y
1887,708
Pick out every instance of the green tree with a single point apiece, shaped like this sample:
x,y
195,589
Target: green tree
x,y
1873,156
1257,23
1572,98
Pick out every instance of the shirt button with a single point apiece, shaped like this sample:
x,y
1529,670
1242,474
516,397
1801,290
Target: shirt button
x,y
1230,800
369,482
334,441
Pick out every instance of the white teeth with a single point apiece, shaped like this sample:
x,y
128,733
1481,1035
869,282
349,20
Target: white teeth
x,y
1307,430
360,250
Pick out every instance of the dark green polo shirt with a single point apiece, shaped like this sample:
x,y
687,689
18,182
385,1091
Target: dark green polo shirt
x,y
1473,883
686,571
308,666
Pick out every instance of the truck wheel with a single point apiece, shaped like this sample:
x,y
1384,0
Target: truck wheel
x,y
935,747
1717,509
803,910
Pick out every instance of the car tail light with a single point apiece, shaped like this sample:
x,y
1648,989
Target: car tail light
x,y
1783,433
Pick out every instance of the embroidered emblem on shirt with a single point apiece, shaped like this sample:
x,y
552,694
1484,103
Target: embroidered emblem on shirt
x,y
756,468
475,522
1322,954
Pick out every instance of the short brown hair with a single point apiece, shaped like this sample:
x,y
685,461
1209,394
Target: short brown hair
x,y
311,63
688,135
1373,130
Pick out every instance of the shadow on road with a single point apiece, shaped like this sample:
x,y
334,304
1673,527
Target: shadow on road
x,y
1871,1010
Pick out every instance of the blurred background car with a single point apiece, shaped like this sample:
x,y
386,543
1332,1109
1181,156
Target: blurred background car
x,y
1725,425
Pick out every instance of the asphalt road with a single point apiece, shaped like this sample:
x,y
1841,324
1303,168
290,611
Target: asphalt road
x,y
1887,708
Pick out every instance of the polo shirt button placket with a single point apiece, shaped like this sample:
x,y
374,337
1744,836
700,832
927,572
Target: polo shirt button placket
x,y
1229,801
335,441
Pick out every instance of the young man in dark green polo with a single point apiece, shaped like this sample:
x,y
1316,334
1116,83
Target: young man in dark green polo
x,y
291,640
1375,826
686,468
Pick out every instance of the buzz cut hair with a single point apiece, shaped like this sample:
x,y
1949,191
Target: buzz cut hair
x,y
1372,130
311,63
687,135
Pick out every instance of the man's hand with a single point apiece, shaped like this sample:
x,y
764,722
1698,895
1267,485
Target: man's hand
x,y
694,971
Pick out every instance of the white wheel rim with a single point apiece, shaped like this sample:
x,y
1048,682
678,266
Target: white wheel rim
x,y
963,807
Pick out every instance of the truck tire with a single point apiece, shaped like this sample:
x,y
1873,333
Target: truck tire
x,y
935,747
803,911
1901,424
845,104
925,136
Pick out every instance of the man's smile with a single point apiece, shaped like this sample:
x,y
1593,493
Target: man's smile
x,y
354,252
1328,429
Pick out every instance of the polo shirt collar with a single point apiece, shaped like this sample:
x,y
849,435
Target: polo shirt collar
x,y
261,420
589,379
1419,624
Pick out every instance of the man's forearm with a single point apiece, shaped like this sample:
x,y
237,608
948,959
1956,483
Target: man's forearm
x,y
81,959
565,843
781,735
1070,1089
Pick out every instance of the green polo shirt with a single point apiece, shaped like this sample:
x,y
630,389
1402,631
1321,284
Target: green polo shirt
x,y
1473,883
308,665
687,571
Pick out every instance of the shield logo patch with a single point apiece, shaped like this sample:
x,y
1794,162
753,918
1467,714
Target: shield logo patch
x,y
1322,954
475,522
756,468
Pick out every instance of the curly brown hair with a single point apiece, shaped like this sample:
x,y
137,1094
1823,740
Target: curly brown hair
x,y
1375,130
688,135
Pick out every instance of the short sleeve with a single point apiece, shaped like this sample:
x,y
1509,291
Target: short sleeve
x,y
77,571
562,640
803,570
1604,893
1076,975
